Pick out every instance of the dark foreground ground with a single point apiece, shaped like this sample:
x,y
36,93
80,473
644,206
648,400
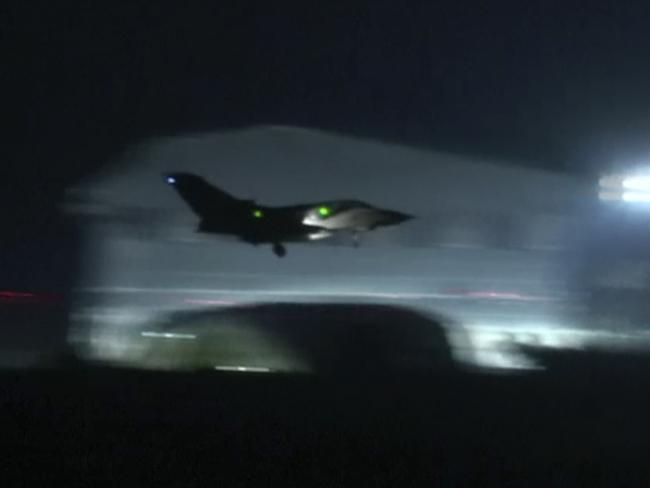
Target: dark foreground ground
x,y
582,422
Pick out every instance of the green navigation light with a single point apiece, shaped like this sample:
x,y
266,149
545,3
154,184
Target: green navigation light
x,y
257,213
324,211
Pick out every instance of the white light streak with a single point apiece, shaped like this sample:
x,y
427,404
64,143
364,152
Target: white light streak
x,y
168,335
315,236
466,295
243,369
222,303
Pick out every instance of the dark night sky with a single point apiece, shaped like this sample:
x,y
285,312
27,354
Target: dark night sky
x,y
557,84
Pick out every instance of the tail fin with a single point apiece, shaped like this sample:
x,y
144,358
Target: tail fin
x,y
204,198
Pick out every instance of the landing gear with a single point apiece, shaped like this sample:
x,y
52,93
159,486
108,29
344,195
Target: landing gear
x,y
279,250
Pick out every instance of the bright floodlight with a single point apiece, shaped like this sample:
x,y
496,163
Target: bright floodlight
x,y
633,196
637,183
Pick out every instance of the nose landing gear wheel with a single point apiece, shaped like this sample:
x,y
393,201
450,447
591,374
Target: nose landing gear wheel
x,y
279,250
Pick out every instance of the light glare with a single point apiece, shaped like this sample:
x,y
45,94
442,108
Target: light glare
x,y
315,236
638,183
243,369
633,196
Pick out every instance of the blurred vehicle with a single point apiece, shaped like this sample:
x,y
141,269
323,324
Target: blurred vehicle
x,y
344,339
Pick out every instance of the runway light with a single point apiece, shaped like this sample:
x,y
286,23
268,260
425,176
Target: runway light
x,y
324,211
258,214
633,196
630,189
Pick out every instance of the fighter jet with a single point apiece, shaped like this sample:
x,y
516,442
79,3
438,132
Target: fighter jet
x,y
222,213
